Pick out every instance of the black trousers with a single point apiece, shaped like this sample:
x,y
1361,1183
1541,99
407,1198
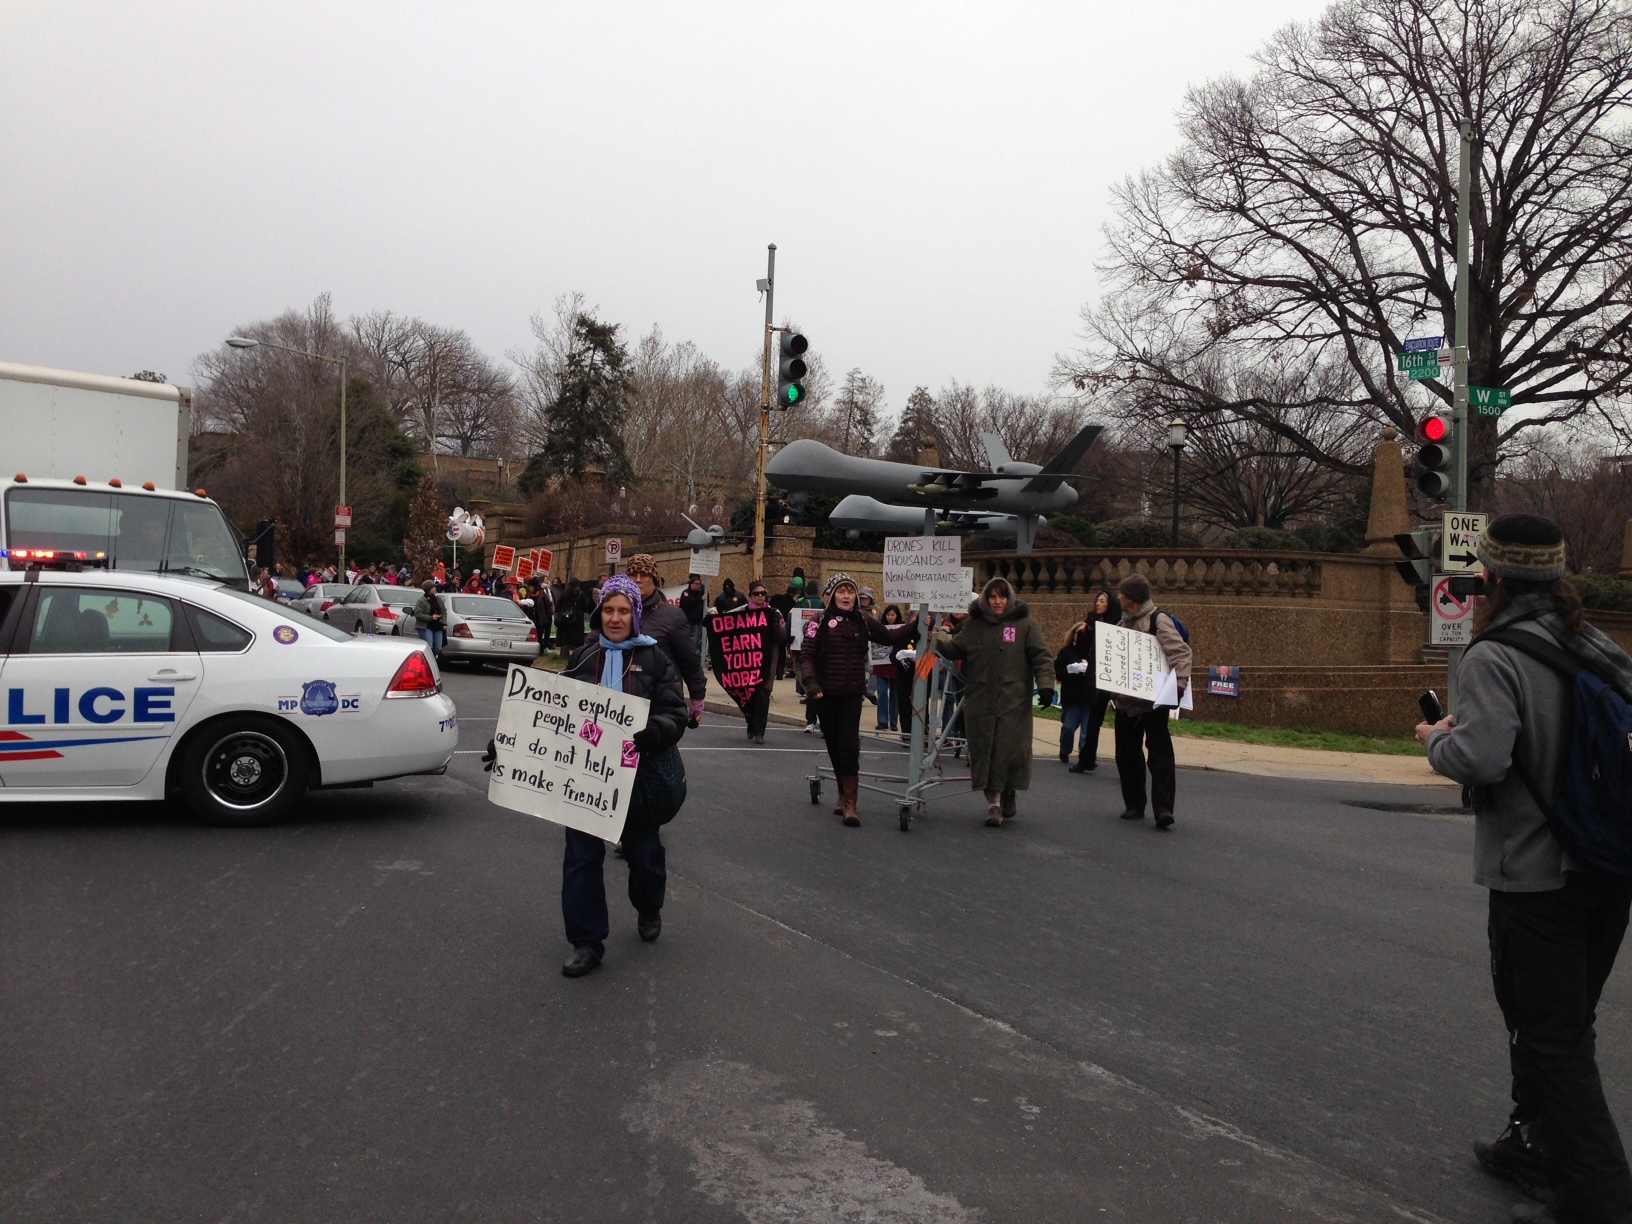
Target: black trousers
x,y
758,709
583,886
1133,736
840,720
1550,954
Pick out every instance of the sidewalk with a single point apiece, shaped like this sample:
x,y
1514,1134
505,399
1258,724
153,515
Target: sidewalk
x,y
1261,760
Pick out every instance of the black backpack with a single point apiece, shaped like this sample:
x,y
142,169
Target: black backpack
x,y
1592,813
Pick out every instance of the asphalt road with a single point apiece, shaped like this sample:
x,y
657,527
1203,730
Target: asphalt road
x,y
1280,1010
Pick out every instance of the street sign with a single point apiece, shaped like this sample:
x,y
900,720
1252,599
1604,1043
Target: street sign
x,y
1423,343
1490,401
1450,616
342,516
614,551
339,535
1424,373
1416,361
504,556
1459,539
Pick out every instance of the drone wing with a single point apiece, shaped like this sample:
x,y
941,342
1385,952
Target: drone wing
x,y
1058,468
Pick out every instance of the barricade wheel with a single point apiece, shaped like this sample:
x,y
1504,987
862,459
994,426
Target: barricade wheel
x,y
815,790
906,818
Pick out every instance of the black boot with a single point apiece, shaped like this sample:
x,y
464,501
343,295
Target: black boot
x,y
1516,1156
580,962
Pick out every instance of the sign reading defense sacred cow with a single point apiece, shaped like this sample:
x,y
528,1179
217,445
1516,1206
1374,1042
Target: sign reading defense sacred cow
x,y
1127,662
740,646
565,751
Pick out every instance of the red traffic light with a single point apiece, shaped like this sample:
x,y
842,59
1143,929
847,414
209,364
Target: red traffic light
x,y
1433,429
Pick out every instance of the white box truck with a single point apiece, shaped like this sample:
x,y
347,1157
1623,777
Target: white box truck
x,y
100,478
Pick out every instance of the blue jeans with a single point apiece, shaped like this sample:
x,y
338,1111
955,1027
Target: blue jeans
x,y
1082,723
434,638
887,713
583,886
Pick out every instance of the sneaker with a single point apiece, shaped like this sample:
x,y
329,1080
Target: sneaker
x,y
1083,766
1133,814
759,739
1164,820
1516,1156
810,728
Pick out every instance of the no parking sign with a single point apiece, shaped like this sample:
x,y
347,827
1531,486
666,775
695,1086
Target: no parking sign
x,y
1450,615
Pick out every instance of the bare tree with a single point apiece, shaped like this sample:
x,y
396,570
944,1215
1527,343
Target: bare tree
x,y
1576,480
1308,219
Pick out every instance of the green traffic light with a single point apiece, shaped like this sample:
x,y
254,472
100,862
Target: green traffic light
x,y
795,393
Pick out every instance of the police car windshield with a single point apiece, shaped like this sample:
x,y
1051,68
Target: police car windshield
x,y
299,619
133,531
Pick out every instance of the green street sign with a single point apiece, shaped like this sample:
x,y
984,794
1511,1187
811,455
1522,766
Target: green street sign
x,y
1423,373
1490,401
1417,361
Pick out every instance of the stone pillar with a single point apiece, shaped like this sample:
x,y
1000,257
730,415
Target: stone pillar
x,y
1389,516
1626,551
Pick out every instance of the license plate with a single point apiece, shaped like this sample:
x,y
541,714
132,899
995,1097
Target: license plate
x,y
502,643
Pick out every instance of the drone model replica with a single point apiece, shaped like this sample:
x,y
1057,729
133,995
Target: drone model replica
x,y
1011,499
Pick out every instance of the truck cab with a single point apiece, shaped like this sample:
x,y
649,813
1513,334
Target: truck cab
x,y
60,523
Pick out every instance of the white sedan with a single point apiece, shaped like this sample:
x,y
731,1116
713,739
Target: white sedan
x,y
121,685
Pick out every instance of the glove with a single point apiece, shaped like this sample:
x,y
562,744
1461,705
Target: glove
x,y
647,740
909,654
1076,669
696,719
1045,698
489,757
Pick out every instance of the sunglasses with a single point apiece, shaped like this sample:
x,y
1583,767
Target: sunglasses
x,y
756,591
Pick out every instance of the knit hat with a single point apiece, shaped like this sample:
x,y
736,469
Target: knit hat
x,y
1523,546
1136,587
835,582
622,584
642,563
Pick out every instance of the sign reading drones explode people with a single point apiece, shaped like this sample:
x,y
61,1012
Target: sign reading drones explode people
x,y
565,751
926,570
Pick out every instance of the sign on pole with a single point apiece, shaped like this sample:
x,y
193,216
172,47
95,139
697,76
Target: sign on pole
x,y
342,516
614,551
504,556
543,560
1421,343
339,535
1415,361
926,570
524,568
1490,401
1450,616
1459,539
705,561
564,751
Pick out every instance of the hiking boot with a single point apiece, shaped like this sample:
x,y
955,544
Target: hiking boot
x,y
1134,814
1516,1156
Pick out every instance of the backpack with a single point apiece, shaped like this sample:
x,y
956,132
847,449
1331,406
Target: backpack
x,y
1177,624
1592,813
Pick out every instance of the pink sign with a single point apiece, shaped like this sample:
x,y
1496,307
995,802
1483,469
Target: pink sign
x,y
591,732
631,755
1008,633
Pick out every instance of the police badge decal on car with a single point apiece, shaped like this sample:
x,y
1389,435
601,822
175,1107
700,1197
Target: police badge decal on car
x,y
319,697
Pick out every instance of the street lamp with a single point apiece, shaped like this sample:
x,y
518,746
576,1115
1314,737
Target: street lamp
x,y
1177,432
245,342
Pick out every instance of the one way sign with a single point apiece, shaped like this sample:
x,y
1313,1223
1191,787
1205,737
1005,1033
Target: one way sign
x,y
1459,539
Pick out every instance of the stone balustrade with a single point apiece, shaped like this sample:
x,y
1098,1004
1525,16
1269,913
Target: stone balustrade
x,y
1171,571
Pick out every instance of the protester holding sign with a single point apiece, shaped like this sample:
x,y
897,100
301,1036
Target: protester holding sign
x,y
1141,725
624,659
1082,703
833,667
1003,653
743,646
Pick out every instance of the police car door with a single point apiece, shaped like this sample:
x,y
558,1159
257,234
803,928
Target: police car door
x,y
95,685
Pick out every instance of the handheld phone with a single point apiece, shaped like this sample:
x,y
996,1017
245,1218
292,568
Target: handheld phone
x,y
1428,703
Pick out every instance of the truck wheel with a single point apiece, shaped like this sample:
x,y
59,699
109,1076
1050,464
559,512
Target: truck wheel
x,y
244,771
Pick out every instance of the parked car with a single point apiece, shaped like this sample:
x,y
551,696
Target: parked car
x,y
286,590
369,608
487,628
317,598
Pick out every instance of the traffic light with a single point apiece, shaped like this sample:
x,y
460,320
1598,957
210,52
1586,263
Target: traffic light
x,y
1434,458
791,370
1421,549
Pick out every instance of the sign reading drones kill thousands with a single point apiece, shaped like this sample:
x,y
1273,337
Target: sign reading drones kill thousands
x,y
926,570
705,561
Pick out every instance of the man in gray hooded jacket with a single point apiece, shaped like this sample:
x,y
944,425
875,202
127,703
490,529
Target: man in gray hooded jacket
x,y
1554,929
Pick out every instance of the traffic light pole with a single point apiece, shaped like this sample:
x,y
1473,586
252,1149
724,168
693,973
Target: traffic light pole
x,y
1459,363
764,415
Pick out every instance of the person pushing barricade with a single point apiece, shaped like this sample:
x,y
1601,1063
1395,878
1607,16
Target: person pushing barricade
x,y
1141,727
1541,736
833,664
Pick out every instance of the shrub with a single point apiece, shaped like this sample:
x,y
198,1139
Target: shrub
x,y
1142,533
1265,539
1079,528
1323,537
1602,593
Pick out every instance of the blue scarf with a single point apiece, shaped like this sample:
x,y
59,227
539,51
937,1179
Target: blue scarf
x,y
613,660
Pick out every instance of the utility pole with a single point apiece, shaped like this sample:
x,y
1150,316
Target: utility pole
x,y
764,415
1459,362
343,501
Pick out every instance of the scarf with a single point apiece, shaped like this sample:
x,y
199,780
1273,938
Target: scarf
x,y
614,658
1596,650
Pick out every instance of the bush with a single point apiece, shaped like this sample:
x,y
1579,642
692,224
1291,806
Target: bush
x,y
1141,533
1323,537
1079,528
1264,539
1602,593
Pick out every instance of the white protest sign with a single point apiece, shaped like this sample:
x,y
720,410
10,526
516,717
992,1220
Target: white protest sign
x,y
926,570
796,627
565,751
1128,662
705,561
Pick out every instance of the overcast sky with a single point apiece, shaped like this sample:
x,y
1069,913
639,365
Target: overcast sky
x,y
936,176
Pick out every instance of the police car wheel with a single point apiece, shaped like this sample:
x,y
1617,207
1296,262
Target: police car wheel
x,y
244,772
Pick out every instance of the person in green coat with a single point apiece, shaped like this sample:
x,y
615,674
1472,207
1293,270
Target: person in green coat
x,y
1003,654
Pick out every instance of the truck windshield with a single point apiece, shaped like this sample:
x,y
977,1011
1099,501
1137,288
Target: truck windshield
x,y
153,534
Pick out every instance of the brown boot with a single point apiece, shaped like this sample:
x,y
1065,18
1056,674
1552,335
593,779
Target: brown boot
x,y
1011,807
848,788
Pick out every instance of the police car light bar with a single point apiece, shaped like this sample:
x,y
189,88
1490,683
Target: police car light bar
x,y
59,555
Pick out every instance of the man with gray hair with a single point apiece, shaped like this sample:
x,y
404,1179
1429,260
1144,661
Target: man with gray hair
x,y
1141,727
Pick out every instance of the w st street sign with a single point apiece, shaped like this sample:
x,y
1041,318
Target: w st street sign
x,y
1490,401
1459,539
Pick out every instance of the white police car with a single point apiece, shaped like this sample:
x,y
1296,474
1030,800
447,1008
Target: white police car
x,y
120,685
